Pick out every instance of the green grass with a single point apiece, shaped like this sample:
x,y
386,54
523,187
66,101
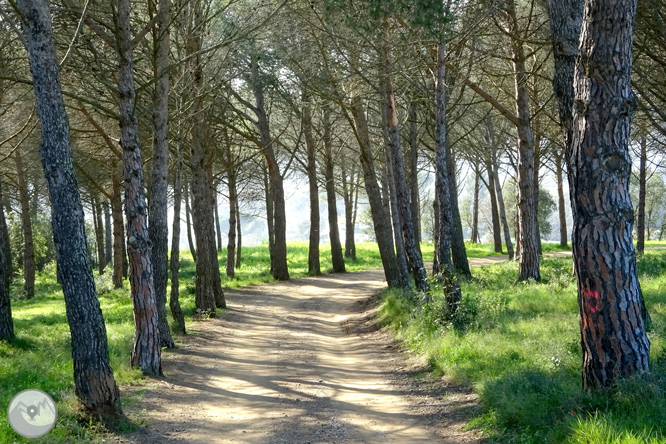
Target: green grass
x,y
518,345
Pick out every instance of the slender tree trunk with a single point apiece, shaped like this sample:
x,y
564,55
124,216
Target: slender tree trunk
x,y
475,206
564,232
119,254
497,230
527,194
26,222
208,287
270,218
6,322
147,354
415,198
612,312
492,145
99,235
108,236
239,241
458,249
93,376
217,223
5,244
233,218
314,267
188,222
174,302
348,194
333,230
406,219
640,224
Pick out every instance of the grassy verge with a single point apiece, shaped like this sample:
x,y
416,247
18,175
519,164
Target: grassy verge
x,y
517,344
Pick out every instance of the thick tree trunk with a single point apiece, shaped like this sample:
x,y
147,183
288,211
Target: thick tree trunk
x,y
188,222
380,219
5,245
412,248
564,232
99,235
119,253
443,203
93,376
174,297
6,322
270,218
233,218
108,236
475,206
26,223
208,288
279,268
527,195
415,198
458,249
239,243
331,198
158,218
612,313
147,354
314,267
642,182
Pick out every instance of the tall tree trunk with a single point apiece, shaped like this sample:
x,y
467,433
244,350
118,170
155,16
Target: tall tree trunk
x,y
642,182
174,302
415,198
348,194
497,230
564,233
233,218
475,206
188,223
99,234
147,354
612,313
5,245
119,253
239,241
208,288
314,267
158,217
379,215
6,322
26,222
270,218
218,228
527,194
492,145
331,198
411,245
108,236
93,376
458,249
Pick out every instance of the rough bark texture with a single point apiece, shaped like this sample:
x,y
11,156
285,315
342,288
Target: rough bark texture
x,y
233,218
492,145
613,330
146,354
93,376
475,206
239,247
348,187
314,267
411,246
6,322
527,195
559,173
208,287
8,266
270,219
108,236
642,185
157,217
497,230
279,266
174,297
415,198
99,235
188,223
458,249
119,253
26,224
331,198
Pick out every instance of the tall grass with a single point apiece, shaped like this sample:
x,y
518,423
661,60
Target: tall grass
x,y
518,345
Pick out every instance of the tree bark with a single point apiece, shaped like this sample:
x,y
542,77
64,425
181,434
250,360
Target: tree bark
x,y
314,267
6,322
564,232
270,218
458,249
188,223
279,266
208,288
492,145
415,198
642,182
411,246
348,188
527,195
331,198
492,191
7,266
239,242
99,234
26,223
93,376
147,354
158,217
174,302
120,265
231,244
475,206
218,229
612,315
108,236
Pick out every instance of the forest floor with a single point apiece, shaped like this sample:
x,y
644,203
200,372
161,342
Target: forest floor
x,y
301,362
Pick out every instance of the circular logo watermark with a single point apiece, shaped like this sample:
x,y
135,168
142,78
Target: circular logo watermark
x,y
32,413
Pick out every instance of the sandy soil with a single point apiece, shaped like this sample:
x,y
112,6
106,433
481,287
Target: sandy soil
x,y
295,363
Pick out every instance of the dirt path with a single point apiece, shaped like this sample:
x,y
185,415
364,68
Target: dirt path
x,y
296,363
